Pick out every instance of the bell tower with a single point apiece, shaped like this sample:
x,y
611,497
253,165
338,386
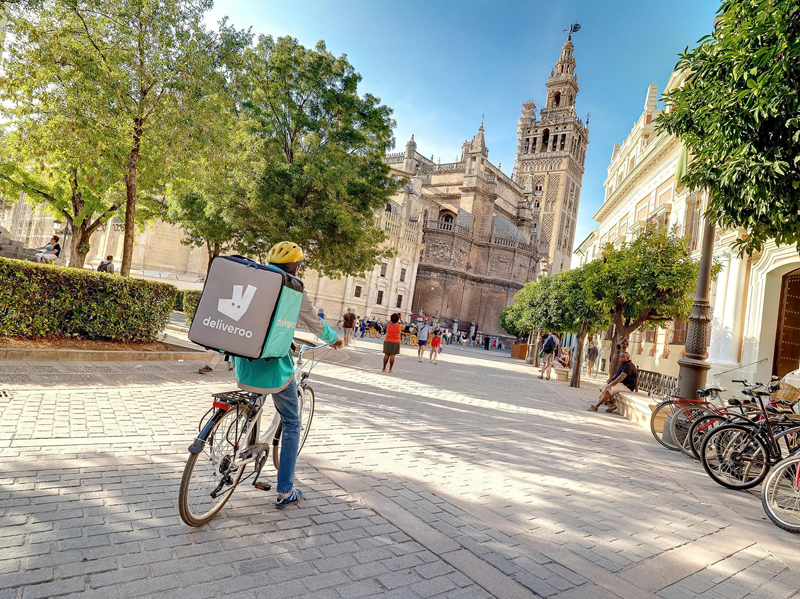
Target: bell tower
x,y
551,151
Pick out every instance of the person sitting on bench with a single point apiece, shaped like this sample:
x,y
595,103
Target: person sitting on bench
x,y
623,380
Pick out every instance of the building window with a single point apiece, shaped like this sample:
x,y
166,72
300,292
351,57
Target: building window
x,y
379,301
389,208
678,332
402,275
399,301
545,139
357,291
384,266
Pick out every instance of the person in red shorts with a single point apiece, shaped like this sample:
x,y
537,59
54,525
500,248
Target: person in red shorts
x,y
436,344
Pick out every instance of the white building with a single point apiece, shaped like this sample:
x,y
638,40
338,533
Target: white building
x,y
755,300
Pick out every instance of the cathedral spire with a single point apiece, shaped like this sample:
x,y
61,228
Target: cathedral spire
x,y
479,142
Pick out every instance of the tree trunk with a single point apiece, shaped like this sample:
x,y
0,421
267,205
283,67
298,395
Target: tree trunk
x,y
213,250
80,246
130,201
577,356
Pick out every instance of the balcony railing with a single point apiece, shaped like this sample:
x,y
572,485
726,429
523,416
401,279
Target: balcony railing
x,y
442,225
504,241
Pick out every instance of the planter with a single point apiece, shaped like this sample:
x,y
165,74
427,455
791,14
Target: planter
x,y
519,351
562,374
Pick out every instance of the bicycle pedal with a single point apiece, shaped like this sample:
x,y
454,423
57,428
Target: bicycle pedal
x,y
262,486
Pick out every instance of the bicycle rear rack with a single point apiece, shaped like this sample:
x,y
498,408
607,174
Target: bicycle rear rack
x,y
229,399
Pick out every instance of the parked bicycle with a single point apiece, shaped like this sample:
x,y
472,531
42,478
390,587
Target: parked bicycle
x,y
231,437
780,494
739,455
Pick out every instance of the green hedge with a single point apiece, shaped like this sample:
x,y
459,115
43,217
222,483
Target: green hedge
x,y
38,300
190,300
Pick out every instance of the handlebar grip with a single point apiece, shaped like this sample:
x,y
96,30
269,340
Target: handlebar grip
x,y
739,381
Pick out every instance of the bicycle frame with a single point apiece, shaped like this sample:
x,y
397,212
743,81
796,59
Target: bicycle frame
x,y
254,404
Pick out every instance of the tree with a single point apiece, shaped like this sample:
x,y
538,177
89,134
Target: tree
x,y
53,149
318,150
740,118
647,281
137,72
580,314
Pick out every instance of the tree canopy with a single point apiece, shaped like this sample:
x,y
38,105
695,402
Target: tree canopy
x,y
318,150
739,115
640,283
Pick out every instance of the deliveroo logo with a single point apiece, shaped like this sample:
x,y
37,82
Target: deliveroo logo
x,y
237,305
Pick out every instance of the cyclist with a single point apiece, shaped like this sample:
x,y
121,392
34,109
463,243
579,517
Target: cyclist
x,y
276,376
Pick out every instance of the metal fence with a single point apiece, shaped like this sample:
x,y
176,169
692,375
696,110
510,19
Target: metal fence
x,y
655,383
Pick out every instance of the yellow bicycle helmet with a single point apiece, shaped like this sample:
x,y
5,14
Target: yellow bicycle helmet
x,y
285,252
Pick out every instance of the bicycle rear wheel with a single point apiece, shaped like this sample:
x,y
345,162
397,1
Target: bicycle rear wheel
x,y
735,457
781,494
208,478
658,423
305,396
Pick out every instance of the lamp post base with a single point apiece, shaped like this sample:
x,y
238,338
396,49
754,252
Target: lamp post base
x,y
693,375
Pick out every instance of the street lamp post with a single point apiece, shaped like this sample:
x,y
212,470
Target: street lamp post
x,y
694,366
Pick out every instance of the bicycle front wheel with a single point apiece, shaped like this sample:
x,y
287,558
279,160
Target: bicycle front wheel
x,y
681,425
210,477
658,422
735,457
781,494
700,428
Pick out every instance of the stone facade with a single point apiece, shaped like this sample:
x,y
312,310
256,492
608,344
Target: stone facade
x,y
754,299
476,234
389,287
157,252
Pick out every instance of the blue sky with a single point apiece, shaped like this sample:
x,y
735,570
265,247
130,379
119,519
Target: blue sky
x,y
441,64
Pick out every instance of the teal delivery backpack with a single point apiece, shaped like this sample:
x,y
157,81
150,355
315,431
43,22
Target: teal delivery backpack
x,y
247,309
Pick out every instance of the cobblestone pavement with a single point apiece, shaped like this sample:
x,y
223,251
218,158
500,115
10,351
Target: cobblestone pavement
x,y
470,478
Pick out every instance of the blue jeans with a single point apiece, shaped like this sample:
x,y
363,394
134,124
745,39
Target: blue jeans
x,y
287,403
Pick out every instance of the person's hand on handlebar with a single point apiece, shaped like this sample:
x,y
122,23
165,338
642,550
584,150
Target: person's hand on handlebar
x,y
337,344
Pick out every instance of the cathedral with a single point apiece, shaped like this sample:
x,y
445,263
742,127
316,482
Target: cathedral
x,y
484,234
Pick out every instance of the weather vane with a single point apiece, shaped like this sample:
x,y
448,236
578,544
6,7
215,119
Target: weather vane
x,y
572,29
482,117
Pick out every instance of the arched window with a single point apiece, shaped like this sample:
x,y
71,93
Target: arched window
x,y
389,208
533,228
448,218
556,99
545,139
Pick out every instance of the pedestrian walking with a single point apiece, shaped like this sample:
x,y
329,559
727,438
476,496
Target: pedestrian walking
x,y
592,354
363,327
464,340
391,345
436,345
106,265
348,322
550,350
486,342
422,340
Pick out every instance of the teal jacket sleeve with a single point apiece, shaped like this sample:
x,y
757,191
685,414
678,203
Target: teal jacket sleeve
x,y
309,316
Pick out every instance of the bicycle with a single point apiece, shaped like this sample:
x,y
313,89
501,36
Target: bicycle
x,y
665,411
740,455
780,495
747,412
230,437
